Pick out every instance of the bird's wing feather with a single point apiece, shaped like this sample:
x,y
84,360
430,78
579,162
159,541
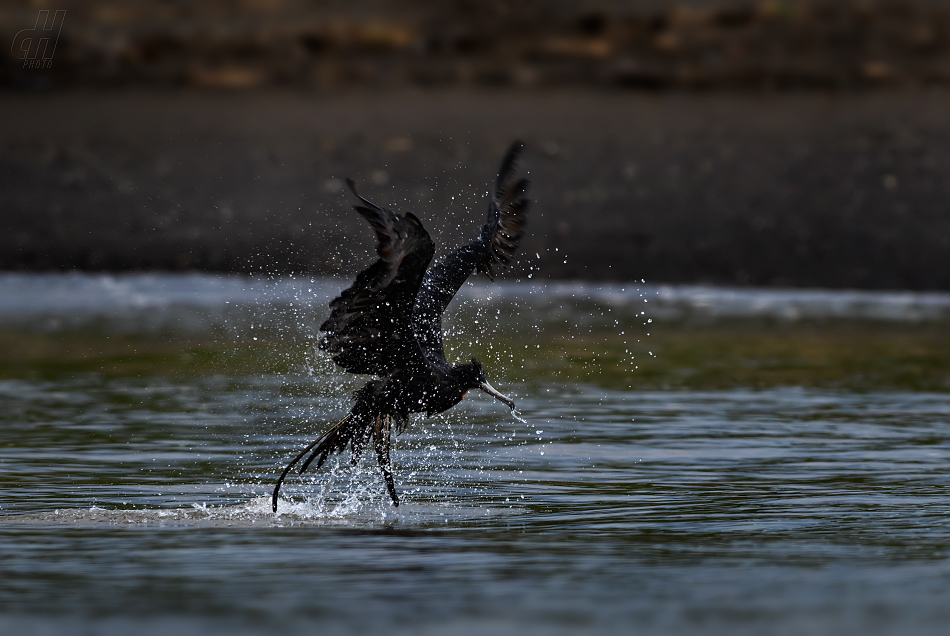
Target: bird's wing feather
x,y
494,248
370,326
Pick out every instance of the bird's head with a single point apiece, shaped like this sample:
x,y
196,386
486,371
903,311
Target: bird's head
x,y
474,377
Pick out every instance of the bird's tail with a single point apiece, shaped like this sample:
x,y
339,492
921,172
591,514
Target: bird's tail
x,y
352,430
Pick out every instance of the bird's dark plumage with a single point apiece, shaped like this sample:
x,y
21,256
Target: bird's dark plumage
x,y
389,323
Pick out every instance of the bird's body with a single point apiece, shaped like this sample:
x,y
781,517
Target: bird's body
x,y
389,324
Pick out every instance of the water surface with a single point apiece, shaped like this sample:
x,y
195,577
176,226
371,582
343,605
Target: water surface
x,y
138,500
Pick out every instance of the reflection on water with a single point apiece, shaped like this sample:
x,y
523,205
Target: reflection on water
x,y
139,501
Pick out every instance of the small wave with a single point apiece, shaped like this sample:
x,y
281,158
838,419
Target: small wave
x,y
142,303
256,512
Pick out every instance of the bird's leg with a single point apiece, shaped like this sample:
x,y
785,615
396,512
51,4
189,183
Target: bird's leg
x,y
382,454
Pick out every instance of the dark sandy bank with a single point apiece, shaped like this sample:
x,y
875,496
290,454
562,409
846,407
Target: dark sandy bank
x,y
818,189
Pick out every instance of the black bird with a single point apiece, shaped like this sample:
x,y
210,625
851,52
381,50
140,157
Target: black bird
x,y
389,323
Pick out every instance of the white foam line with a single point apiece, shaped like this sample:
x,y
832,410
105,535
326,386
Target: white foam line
x,y
206,298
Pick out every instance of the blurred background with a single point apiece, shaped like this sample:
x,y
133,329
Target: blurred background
x,y
728,332
765,143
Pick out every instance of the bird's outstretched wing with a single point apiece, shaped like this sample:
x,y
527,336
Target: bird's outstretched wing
x,y
494,248
370,326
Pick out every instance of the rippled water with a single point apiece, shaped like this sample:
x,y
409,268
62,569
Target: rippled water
x,y
142,504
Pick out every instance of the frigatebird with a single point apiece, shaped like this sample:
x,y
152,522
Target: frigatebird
x,y
389,323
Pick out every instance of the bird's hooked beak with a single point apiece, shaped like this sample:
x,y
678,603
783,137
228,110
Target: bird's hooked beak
x,y
490,390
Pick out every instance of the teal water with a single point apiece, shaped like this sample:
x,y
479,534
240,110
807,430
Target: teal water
x,y
141,504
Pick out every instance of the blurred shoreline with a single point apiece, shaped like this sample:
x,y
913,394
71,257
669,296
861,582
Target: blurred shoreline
x,y
611,335
721,142
841,190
